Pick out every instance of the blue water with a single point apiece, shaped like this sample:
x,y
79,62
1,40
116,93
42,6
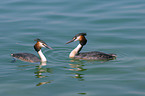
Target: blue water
x,y
111,26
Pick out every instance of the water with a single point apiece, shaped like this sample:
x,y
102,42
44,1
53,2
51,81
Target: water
x,y
111,27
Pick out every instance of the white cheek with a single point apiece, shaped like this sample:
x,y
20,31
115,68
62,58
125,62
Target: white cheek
x,y
42,45
77,38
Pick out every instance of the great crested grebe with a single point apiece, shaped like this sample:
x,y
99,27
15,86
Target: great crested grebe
x,y
94,55
28,57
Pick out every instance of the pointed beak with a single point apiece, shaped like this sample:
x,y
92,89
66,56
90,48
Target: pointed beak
x,y
70,41
48,47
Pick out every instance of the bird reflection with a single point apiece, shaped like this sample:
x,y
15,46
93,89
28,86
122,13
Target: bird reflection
x,y
40,70
76,69
42,83
78,76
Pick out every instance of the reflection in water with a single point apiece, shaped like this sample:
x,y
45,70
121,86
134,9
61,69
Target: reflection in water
x,y
82,93
40,69
78,76
76,68
42,83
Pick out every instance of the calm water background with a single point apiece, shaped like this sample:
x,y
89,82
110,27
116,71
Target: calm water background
x,y
113,26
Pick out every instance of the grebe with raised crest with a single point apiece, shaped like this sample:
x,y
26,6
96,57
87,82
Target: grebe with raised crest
x,y
94,55
28,57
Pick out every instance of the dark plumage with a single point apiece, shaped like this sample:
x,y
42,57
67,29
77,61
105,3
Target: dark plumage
x,y
95,55
28,57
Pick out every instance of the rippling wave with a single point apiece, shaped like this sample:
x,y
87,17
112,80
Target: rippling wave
x,y
111,27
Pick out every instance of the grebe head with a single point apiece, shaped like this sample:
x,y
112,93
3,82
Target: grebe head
x,y
79,37
40,44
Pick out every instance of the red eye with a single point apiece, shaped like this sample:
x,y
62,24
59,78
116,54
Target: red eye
x,y
74,38
44,44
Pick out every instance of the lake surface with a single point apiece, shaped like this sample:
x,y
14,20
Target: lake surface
x,y
112,26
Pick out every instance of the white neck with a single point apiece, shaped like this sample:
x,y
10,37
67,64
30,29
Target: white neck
x,y
42,57
75,51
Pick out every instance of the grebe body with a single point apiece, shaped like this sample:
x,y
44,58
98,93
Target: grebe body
x,y
94,55
28,57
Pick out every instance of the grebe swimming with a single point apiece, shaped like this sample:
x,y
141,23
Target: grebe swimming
x,y
28,57
94,55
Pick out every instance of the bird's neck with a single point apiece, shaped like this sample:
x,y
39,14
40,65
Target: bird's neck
x,y
75,51
42,57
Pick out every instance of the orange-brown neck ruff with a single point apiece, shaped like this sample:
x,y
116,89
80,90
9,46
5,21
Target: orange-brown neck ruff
x,y
82,40
37,46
